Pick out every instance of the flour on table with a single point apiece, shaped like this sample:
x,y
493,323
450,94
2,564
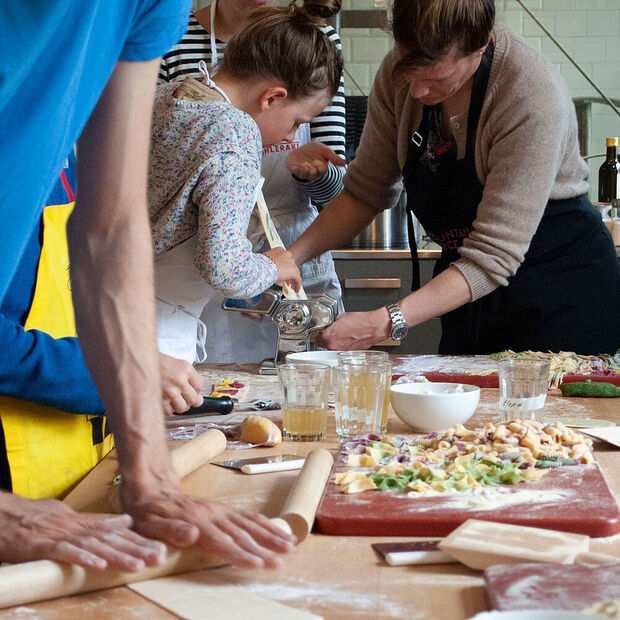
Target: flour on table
x,y
491,498
356,599
205,596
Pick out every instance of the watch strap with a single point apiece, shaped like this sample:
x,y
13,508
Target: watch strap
x,y
399,324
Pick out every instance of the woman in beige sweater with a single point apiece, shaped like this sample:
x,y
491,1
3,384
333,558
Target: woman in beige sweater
x,y
481,130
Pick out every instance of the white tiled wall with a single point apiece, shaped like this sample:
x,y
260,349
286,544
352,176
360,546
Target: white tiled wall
x,y
589,30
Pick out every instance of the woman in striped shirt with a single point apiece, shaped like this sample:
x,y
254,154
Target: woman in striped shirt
x,y
300,174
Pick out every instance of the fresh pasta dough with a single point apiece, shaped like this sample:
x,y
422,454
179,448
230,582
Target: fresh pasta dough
x,y
562,363
460,459
259,430
609,609
230,387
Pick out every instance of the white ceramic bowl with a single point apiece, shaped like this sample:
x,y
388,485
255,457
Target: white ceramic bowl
x,y
322,357
428,407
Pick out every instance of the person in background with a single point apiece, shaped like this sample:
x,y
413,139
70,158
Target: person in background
x,y
86,73
481,129
205,165
299,174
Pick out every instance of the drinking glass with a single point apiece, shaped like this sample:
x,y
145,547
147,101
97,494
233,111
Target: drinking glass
x,y
523,388
373,358
304,390
359,391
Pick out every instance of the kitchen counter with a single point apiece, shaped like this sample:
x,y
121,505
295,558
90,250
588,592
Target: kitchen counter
x,y
382,253
339,578
387,253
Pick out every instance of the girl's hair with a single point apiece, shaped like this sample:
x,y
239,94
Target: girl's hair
x,y
425,30
286,43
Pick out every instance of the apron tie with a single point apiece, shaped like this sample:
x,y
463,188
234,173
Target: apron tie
x,y
202,67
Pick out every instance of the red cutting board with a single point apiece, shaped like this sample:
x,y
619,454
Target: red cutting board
x,y
550,586
576,499
452,369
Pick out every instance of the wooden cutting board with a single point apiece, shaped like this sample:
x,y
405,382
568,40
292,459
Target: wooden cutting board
x,y
570,499
462,368
550,586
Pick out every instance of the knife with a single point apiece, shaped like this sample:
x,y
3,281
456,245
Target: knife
x,y
261,464
414,552
223,405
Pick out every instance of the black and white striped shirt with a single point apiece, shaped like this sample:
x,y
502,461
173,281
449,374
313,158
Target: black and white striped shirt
x,y
328,127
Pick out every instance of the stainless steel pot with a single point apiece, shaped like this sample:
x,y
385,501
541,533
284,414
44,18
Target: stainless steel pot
x,y
388,230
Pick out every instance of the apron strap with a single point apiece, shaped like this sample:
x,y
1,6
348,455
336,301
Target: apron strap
x,y
478,90
413,248
201,342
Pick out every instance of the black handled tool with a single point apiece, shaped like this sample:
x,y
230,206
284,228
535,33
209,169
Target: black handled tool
x,y
223,405
220,405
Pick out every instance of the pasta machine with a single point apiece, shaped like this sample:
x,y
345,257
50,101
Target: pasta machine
x,y
295,320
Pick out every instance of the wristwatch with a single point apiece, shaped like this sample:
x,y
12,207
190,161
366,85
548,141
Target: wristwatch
x,y
399,325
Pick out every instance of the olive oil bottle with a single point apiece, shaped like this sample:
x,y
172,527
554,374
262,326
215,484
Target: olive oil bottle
x,y
609,173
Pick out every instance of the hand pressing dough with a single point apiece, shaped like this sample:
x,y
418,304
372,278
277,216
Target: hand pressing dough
x,y
205,596
259,430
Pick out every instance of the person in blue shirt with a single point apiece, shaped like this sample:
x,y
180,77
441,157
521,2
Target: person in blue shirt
x,y
86,73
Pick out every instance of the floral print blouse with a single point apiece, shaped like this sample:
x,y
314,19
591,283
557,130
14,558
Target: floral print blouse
x,y
204,168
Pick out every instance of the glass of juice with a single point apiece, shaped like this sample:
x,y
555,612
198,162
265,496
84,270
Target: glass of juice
x,y
373,358
304,390
359,391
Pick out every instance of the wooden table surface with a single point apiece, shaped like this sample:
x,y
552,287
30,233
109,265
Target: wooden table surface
x,y
335,577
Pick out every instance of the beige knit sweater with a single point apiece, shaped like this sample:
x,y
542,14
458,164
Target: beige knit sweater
x,y
527,153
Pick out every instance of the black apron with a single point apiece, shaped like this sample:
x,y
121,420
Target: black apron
x,y
564,296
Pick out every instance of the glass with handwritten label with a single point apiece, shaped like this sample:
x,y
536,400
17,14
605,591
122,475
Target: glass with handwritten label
x,y
523,387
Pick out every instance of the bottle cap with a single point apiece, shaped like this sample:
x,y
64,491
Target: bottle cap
x,y
612,142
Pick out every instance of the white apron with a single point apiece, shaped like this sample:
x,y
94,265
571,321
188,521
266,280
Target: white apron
x,y
180,296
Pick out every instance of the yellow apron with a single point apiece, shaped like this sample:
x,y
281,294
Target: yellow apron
x,y
50,450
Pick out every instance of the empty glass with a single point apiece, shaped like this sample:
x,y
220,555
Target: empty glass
x,y
523,388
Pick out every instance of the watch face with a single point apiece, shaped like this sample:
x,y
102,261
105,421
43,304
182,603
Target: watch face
x,y
398,333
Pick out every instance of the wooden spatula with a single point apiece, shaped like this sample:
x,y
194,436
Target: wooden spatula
x,y
273,238
480,544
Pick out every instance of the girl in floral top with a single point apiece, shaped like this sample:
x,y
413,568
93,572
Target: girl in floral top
x,y
204,170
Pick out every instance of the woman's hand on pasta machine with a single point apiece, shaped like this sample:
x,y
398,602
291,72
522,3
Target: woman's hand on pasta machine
x,y
355,331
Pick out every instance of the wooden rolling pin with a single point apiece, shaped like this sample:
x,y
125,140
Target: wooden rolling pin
x,y
303,501
188,457
42,580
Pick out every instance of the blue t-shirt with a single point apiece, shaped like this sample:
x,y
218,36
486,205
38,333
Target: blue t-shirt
x,y
56,57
